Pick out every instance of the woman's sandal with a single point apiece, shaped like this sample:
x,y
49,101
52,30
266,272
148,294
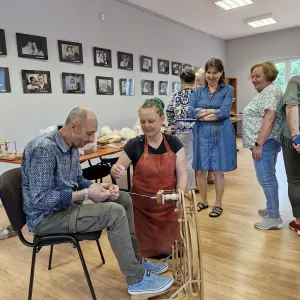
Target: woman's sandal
x,y
216,211
201,206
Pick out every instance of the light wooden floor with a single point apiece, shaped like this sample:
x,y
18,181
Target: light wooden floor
x,y
240,262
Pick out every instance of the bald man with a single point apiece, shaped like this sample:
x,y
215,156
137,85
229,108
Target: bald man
x,y
53,190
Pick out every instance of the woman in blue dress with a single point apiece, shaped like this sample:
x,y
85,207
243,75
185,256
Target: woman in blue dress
x,y
214,146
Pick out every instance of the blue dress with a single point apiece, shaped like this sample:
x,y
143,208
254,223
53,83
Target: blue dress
x,y
214,142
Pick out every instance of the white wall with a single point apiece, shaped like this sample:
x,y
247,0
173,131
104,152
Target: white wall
x,y
243,53
125,29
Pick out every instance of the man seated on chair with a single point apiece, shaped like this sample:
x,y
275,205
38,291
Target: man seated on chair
x,y
53,189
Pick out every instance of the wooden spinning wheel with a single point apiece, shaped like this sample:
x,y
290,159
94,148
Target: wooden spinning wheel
x,y
186,253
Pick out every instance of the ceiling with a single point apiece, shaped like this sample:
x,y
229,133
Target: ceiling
x,y
204,15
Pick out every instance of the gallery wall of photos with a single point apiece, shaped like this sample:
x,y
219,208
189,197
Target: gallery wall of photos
x,y
37,81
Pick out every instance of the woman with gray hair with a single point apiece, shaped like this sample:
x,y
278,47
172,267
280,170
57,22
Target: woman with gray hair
x,y
200,80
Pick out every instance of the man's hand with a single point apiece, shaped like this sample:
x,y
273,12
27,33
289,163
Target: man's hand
x,y
117,171
114,192
256,152
98,193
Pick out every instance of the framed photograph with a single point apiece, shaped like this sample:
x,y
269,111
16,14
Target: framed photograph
x,y
125,61
2,43
4,80
163,87
147,87
70,52
73,83
127,87
102,57
187,66
32,46
146,64
36,81
163,66
176,86
176,68
105,85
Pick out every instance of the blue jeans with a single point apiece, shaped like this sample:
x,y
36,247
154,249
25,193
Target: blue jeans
x,y
266,176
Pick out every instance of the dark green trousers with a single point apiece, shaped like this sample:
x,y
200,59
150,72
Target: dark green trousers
x,y
292,168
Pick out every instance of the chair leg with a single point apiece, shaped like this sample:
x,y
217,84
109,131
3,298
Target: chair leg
x,y
86,272
128,179
100,251
32,272
50,257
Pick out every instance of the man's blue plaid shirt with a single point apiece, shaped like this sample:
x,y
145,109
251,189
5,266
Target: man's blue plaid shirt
x,y
50,172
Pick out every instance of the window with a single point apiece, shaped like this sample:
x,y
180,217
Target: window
x,y
287,68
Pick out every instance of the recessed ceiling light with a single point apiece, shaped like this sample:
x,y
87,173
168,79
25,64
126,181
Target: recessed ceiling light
x,y
229,4
263,20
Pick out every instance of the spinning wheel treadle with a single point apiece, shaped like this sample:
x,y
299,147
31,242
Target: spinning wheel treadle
x,y
186,253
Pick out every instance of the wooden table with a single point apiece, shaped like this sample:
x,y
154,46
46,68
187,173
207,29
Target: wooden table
x,y
83,158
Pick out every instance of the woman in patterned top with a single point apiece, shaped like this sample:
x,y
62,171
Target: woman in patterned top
x,y
262,121
177,114
214,142
158,164
291,147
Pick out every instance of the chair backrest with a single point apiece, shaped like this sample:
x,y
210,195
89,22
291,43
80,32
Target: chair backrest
x,y
11,197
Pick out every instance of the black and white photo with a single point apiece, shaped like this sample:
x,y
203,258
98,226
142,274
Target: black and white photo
x,y
125,60
36,81
127,87
146,64
147,87
176,68
187,66
102,57
32,46
73,83
3,50
176,86
163,88
105,85
163,66
4,80
70,52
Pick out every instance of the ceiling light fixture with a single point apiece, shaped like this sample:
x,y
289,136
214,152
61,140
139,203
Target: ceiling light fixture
x,y
229,4
263,20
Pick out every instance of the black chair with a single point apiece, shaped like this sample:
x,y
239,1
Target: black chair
x,y
11,197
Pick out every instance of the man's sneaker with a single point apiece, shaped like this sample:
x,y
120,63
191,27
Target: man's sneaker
x,y
269,223
262,212
151,284
154,267
295,227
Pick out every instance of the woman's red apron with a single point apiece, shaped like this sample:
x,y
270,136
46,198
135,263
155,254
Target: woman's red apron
x,y
156,225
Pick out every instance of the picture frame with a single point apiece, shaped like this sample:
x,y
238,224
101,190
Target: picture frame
x,y
125,61
3,50
163,87
146,63
104,85
127,87
147,87
176,86
32,46
4,80
102,57
163,66
70,52
176,68
73,83
187,66
36,82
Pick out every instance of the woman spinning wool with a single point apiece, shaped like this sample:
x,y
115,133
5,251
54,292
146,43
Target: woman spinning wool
x,y
159,164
